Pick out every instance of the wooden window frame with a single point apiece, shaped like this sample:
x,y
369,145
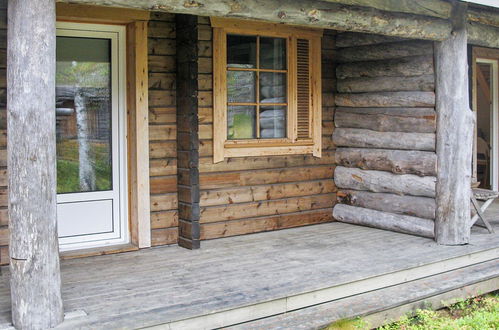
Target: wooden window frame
x,y
137,108
222,147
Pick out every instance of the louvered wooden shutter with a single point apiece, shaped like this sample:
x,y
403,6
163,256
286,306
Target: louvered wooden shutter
x,y
303,89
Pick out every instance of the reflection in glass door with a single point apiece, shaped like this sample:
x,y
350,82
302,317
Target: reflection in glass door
x,y
90,136
485,100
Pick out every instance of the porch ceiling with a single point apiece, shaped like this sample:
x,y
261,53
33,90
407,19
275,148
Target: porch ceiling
x,y
166,284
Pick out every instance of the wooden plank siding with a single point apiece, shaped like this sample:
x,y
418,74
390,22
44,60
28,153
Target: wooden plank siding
x,y
254,194
163,129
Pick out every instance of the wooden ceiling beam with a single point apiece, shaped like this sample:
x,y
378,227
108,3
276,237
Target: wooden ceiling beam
x,y
312,13
433,8
487,17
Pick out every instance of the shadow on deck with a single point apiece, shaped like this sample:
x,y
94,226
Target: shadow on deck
x,y
245,278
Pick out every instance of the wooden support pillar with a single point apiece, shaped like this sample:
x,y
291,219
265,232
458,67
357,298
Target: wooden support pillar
x,y
454,135
187,131
34,251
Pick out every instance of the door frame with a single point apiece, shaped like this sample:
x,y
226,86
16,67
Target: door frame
x,y
136,23
121,232
489,56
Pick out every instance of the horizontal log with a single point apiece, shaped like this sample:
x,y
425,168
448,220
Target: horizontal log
x,y
487,16
4,255
483,35
257,177
364,138
384,51
236,195
164,236
436,8
422,163
4,236
274,222
399,67
354,39
164,202
380,181
162,149
384,220
421,207
266,208
313,13
162,167
254,163
384,123
163,184
162,132
386,84
428,113
386,99
165,219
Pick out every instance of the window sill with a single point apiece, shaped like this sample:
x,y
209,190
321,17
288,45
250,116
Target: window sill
x,y
265,150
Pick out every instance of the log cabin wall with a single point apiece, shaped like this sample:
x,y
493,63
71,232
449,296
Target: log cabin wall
x,y
385,133
254,194
162,131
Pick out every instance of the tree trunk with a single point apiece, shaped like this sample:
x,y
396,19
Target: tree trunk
x,y
364,138
86,170
421,163
384,220
380,181
454,136
421,207
34,252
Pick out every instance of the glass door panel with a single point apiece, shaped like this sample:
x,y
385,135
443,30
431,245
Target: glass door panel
x,y
90,135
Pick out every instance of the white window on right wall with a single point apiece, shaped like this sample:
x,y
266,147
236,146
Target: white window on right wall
x,y
267,89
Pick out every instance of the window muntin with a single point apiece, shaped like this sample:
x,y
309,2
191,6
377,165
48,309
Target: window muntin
x,y
257,87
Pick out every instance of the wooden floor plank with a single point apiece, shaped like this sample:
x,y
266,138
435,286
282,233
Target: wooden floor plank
x,y
166,284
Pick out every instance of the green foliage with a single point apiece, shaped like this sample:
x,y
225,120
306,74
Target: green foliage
x,y
68,169
347,324
242,127
477,313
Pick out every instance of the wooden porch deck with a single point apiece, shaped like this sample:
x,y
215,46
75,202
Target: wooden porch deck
x,y
245,278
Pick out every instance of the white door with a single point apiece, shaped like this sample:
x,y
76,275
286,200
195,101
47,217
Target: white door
x,y
90,128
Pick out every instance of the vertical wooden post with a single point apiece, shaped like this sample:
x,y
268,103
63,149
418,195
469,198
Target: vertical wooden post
x,y
454,135
187,131
34,251
138,133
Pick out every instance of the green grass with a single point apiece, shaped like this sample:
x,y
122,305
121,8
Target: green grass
x,y
479,313
68,167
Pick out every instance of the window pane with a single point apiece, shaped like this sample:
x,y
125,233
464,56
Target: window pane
x,y
241,122
241,51
272,122
241,86
272,87
83,115
273,53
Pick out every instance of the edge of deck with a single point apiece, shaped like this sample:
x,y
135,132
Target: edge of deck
x,y
298,301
